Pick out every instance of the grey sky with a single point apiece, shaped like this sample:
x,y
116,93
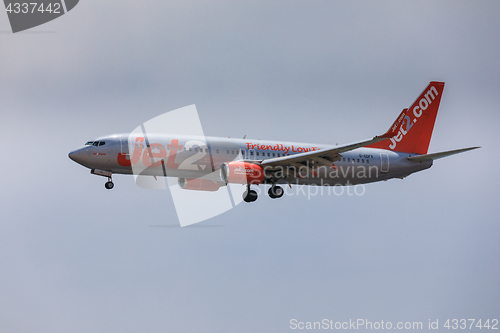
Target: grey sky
x,y
78,258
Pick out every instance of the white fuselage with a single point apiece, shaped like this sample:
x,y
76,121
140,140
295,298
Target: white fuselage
x,y
200,157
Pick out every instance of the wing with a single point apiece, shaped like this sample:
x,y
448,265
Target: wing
x,y
304,160
329,156
324,156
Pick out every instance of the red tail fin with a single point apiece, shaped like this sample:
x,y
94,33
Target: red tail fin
x,y
415,124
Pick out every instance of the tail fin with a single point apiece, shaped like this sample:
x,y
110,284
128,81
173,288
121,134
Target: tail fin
x,y
415,124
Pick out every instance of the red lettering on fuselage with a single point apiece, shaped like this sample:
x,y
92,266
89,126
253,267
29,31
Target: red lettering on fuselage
x,y
154,151
154,155
279,147
124,161
303,149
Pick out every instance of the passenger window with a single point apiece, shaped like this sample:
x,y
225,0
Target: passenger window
x,y
217,150
348,160
273,155
251,153
362,161
232,152
358,160
268,154
206,150
257,153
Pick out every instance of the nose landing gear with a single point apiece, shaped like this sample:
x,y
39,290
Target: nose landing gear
x,y
109,184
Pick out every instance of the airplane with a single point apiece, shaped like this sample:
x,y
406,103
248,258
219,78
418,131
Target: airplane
x,y
208,163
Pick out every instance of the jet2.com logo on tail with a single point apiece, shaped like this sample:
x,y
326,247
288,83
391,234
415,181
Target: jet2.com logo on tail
x,y
31,13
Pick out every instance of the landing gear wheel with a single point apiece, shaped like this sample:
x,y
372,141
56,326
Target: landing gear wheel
x,y
250,196
109,185
276,192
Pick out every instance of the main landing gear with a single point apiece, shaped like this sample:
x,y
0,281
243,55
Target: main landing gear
x,y
249,195
274,192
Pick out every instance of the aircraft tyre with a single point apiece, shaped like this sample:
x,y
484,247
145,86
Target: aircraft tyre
x,y
250,196
276,192
109,185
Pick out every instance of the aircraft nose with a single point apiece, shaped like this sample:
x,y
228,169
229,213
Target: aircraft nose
x,y
72,155
77,156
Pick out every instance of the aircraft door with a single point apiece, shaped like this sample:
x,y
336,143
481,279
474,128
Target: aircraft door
x,y
124,145
384,162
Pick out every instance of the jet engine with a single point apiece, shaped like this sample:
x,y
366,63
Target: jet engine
x,y
238,172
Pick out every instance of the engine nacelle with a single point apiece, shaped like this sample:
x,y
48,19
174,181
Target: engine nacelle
x,y
241,173
198,184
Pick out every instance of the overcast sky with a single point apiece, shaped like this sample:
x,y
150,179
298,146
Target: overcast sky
x,y
75,257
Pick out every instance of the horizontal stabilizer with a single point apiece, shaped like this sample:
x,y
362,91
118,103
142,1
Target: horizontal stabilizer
x,y
435,156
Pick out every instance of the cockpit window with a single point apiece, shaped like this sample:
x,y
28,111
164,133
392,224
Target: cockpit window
x,y
95,143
